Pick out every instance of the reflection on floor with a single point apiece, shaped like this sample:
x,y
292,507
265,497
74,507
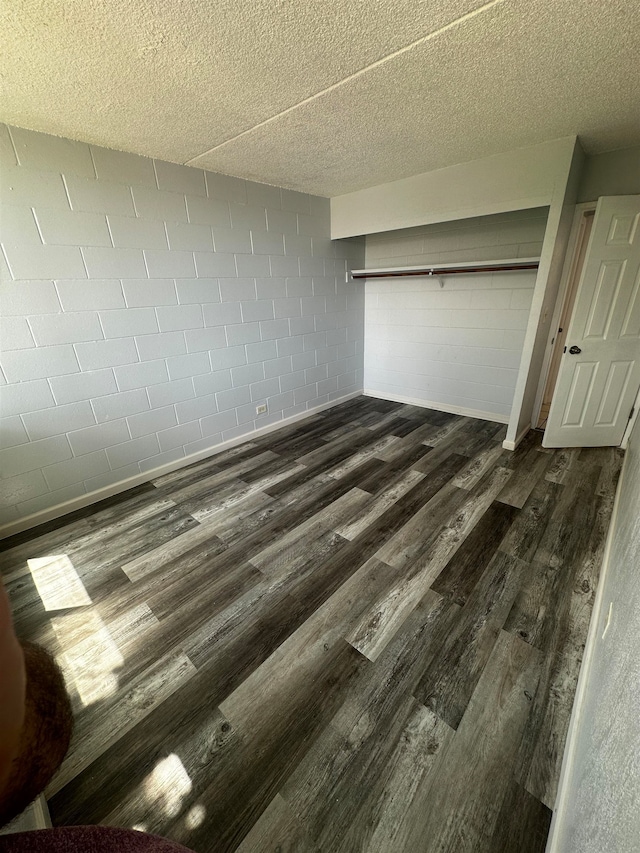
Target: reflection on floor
x,y
35,816
360,633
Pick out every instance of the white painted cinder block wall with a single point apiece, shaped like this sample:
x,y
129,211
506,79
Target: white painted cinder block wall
x,y
597,807
457,347
146,309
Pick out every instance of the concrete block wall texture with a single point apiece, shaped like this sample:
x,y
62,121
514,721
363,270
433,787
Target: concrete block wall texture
x,y
597,806
456,347
147,309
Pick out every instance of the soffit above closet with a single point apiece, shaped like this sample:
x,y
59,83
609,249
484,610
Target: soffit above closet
x,y
324,97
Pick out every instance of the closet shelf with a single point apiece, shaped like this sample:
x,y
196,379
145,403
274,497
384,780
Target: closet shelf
x,y
511,265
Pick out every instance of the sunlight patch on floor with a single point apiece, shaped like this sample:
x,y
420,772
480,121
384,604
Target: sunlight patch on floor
x,y
58,583
90,656
167,785
195,817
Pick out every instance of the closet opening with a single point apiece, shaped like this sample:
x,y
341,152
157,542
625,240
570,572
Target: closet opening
x,y
447,307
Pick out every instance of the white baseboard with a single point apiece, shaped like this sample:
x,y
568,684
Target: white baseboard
x,y
108,491
438,407
563,797
511,445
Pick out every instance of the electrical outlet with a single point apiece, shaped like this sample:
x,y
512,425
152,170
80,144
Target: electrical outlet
x,y
261,409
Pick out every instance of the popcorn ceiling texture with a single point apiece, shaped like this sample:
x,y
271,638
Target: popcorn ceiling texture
x,y
324,97
146,309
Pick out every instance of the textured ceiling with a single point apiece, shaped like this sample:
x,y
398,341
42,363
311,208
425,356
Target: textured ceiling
x,y
324,96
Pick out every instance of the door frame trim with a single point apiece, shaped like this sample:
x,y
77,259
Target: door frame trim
x,y
570,259
631,423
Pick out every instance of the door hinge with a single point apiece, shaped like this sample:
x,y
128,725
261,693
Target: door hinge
x,y
633,408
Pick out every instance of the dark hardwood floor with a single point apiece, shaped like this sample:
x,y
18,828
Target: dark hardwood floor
x,y
362,632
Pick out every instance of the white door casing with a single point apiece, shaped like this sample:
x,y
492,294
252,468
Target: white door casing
x,y
598,382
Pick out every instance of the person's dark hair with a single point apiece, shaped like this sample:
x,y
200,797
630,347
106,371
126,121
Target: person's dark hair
x,y
45,736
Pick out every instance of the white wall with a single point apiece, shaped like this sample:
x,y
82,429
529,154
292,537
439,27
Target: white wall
x,y
536,351
147,308
597,810
516,180
613,173
457,347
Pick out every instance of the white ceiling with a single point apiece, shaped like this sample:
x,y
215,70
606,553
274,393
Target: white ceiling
x,y
323,96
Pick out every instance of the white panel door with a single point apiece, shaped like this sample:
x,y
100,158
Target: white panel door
x,y
599,373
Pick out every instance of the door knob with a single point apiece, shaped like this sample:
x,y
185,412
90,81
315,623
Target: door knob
x,y
574,350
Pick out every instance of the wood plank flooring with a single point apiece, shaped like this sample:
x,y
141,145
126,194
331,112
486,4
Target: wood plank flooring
x,y
362,632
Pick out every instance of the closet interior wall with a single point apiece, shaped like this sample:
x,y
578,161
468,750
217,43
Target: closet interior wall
x,y
457,347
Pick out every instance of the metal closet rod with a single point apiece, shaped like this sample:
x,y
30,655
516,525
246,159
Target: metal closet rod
x,y
446,270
